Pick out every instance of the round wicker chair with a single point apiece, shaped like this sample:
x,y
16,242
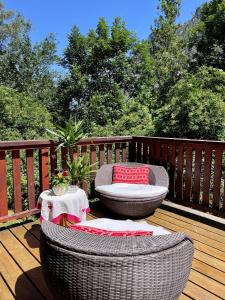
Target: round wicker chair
x,y
83,266
132,206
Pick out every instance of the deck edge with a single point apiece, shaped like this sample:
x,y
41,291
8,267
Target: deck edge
x,y
194,214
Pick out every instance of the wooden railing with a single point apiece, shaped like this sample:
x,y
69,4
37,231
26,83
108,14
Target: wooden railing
x,y
100,151
196,169
26,168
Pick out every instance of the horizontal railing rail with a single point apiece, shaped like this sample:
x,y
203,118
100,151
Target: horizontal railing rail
x,y
196,169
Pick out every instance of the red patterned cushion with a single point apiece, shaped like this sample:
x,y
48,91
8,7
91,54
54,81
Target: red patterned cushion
x,y
123,174
104,232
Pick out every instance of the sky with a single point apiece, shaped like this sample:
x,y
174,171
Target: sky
x,y
58,16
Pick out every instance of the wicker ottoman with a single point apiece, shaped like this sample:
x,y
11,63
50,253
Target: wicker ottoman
x,y
83,266
133,206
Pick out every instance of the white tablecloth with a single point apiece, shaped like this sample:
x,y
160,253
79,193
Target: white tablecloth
x,y
73,206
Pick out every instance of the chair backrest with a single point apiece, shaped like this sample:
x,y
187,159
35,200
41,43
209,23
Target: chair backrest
x,y
157,174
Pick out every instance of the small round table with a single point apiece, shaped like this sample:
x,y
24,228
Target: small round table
x,y
71,206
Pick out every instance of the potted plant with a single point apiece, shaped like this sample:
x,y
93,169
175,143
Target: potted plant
x,y
60,183
78,169
68,136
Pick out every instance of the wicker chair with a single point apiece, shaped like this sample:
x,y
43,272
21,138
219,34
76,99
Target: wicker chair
x,y
128,206
83,266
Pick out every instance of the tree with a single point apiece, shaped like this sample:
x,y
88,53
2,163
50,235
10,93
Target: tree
x,y
22,117
206,37
196,108
24,67
134,120
100,72
106,108
167,51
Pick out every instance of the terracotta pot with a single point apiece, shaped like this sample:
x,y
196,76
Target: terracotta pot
x,y
59,190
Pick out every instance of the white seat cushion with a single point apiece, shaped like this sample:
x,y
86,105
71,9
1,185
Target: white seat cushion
x,y
132,190
119,225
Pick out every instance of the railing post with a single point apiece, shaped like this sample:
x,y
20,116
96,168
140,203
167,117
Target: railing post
x,y
64,154
30,178
16,181
93,162
53,158
217,179
132,151
43,169
188,175
84,154
180,167
206,176
109,153
124,152
172,164
3,189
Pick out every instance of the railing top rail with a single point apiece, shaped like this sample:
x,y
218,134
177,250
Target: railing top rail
x,y
35,144
24,144
179,141
105,140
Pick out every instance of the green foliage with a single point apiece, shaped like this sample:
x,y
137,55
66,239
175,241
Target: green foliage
x,y
196,108
61,178
167,51
23,66
116,84
207,39
135,120
106,108
171,9
165,28
100,73
21,117
79,169
69,135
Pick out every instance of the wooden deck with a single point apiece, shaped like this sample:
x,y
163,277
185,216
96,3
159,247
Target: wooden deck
x,y
21,277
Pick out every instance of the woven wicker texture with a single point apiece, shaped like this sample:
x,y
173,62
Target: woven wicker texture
x,y
82,266
128,206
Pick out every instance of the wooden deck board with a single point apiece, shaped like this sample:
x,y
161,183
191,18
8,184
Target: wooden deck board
x,y
204,249
27,262
197,237
5,292
29,241
18,283
208,270
184,297
192,227
34,228
191,221
20,261
198,293
208,283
